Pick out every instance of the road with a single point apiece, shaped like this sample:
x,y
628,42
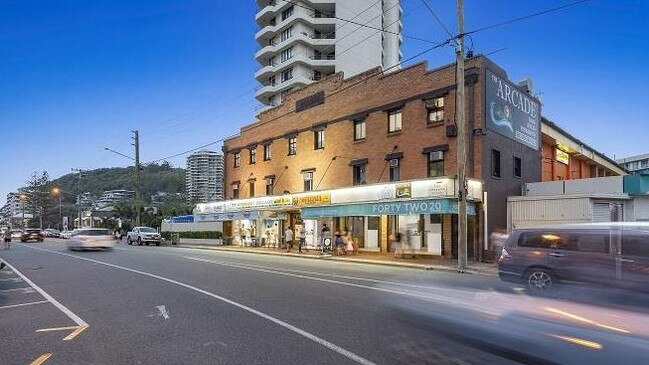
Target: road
x,y
169,305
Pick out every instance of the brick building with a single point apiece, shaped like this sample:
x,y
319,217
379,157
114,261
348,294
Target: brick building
x,y
375,154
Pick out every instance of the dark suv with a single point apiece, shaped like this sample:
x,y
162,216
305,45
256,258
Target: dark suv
x,y
615,254
32,234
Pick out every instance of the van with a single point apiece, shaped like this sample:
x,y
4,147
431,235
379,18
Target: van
x,y
612,254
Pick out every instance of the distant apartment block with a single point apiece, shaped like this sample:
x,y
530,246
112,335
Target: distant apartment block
x,y
204,177
303,41
111,197
638,164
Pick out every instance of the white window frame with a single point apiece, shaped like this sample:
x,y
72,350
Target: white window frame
x,y
360,126
395,121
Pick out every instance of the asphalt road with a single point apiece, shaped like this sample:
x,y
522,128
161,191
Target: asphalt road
x,y
168,305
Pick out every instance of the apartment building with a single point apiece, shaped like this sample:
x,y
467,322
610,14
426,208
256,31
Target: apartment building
x,y
303,41
204,177
638,164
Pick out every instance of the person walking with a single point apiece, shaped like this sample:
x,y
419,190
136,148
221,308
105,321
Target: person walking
x,y
339,242
325,234
7,238
301,235
349,244
288,239
396,243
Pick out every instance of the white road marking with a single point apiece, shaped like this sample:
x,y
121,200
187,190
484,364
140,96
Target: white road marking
x,y
163,311
26,290
346,353
55,302
41,359
24,304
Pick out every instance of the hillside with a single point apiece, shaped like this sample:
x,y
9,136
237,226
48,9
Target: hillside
x,y
154,178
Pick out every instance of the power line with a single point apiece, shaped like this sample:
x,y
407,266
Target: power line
x,y
524,17
438,20
189,151
364,25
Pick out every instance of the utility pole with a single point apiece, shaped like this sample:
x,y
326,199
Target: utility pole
x,y
461,143
136,143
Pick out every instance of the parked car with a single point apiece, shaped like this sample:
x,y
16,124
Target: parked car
x,y
32,234
88,238
612,254
66,234
144,235
16,234
52,233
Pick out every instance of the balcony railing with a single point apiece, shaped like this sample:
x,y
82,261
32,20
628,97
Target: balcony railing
x,y
319,57
324,15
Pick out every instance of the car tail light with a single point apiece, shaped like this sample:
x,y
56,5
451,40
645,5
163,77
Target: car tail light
x,y
505,256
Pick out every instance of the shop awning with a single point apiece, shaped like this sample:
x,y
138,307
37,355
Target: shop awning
x,y
409,207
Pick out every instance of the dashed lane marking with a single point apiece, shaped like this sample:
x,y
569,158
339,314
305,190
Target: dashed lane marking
x,y
24,304
41,359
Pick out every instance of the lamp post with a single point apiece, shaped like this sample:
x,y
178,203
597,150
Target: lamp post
x,y
23,197
56,191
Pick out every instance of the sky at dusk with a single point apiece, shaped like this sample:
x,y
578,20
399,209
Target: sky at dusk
x,y
77,76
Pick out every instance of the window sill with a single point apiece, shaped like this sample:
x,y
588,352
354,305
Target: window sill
x,y
290,155
361,140
436,124
395,133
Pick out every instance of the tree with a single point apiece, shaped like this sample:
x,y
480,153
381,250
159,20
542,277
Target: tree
x,y
38,194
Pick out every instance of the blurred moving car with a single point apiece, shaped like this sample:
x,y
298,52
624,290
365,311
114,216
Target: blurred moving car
x,y
88,238
52,233
32,234
144,235
66,234
611,254
16,234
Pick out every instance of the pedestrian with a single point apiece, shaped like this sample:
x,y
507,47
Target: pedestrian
x,y
288,239
339,242
325,236
396,244
301,235
498,238
349,244
7,238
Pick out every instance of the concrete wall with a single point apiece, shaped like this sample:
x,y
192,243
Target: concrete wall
x,y
599,185
192,227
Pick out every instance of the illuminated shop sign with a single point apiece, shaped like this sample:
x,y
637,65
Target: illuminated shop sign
x,y
311,199
562,157
412,207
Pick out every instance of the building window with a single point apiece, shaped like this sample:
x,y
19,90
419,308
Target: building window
x,y
287,74
287,33
267,152
287,54
495,163
435,110
359,129
272,61
235,191
394,121
308,180
237,159
518,167
318,139
435,163
292,146
251,185
253,156
270,182
395,169
360,174
272,81
288,12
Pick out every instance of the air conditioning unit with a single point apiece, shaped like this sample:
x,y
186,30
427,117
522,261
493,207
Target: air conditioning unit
x,y
437,156
308,175
394,162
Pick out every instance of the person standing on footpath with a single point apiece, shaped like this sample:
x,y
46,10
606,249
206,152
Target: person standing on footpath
x,y
288,239
7,238
301,235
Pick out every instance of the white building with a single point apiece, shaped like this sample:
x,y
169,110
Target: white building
x,y
638,164
111,197
204,177
304,40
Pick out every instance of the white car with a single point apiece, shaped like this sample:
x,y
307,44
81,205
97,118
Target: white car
x,y
89,238
66,234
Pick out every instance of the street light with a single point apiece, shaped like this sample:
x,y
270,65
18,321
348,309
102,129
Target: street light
x,y
23,197
56,191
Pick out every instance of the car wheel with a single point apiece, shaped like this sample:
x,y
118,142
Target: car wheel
x,y
128,240
157,243
139,241
146,243
539,279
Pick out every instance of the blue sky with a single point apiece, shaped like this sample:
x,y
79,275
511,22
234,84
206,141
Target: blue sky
x,y
79,75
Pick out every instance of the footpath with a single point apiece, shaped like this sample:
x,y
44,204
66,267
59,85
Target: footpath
x,y
417,262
